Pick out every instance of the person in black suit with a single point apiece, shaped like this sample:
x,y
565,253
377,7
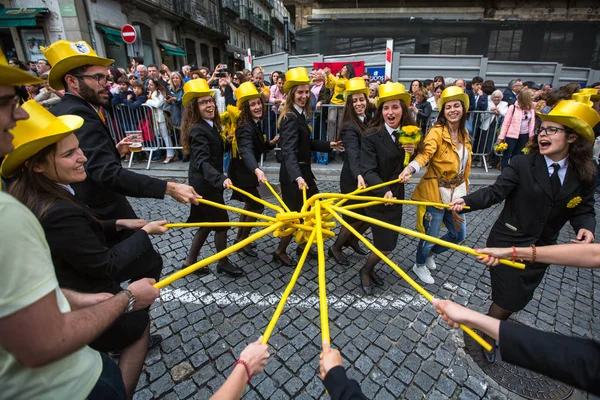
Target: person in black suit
x,y
83,261
574,361
201,138
354,124
542,190
84,78
333,374
512,91
382,160
296,145
251,144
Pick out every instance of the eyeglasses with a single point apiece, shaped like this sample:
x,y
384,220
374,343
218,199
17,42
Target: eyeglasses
x,y
100,78
203,103
550,130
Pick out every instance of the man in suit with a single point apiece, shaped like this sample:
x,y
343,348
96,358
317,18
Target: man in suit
x,y
44,330
512,91
477,99
83,75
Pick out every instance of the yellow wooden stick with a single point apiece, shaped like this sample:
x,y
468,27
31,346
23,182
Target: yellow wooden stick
x,y
215,224
216,257
362,205
368,189
237,210
404,276
304,195
288,290
423,236
277,196
391,201
321,276
257,199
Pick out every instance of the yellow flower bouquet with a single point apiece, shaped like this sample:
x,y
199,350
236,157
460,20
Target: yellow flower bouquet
x,y
409,134
574,202
500,147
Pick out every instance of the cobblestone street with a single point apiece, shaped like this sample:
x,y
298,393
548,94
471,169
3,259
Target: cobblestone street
x,y
393,343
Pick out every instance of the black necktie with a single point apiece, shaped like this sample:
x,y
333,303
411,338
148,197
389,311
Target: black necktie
x,y
396,134
555,180
259,125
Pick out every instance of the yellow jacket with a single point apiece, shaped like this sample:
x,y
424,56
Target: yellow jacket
x,y
338,85
444,160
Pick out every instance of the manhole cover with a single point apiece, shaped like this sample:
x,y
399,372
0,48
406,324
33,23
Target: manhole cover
x,y
518,380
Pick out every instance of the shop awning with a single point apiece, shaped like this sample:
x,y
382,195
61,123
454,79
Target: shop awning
x,y
172,49
20,16
111,34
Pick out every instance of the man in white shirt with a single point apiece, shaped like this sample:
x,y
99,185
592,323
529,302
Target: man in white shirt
x,y
44,330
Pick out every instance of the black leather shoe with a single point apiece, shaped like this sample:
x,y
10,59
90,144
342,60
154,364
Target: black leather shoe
x,y
342,261
200,272
357,249
276,257
249,251
376,280
311,253
368,289
229,269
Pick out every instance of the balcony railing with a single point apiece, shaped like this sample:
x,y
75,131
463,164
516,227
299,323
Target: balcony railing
x,y
256,20
233,5
194,11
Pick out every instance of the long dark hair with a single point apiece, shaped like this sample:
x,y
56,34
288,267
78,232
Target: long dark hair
x,y
191,115
349,115
580,156
350,72
378,123
158,84
246,115
33,189
462,124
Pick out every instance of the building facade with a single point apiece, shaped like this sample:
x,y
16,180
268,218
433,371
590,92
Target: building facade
x,y
171,32
530,30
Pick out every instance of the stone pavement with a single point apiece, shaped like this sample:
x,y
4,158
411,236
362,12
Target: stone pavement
x,y
393,343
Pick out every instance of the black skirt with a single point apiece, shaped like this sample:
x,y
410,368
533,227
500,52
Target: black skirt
x,y
207,213
345,188
292,196
512,288
385,239
253,204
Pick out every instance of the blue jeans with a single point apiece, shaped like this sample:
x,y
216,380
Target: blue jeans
x,y
515,146
110,384
432,222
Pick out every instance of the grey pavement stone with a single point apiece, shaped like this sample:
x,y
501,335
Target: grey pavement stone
x,y
393,342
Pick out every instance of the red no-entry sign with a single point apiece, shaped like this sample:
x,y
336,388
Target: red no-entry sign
x,y
128,34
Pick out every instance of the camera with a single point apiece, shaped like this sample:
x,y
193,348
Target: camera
x,y
222,73
257,84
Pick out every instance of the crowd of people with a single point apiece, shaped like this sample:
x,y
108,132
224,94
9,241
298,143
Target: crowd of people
x,y
76,240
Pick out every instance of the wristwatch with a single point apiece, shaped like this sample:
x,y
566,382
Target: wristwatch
x,y
131,302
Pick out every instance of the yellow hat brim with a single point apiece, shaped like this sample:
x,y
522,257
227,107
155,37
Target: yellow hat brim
x,y
62,127
13,76
294,82
192,95
462,97
405,97
350,92
579,126
60,69
240,102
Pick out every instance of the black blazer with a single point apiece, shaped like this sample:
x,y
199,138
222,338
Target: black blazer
x,y
509,97
381,160
78,244
352,139
206,162
340,387
574,361
531,214
107,182
251,145
296,146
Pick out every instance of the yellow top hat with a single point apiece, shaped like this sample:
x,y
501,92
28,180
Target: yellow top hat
x,y
295,77
40,130
594,96
196,88
356,85
583,99
65,55
13,76
246,91
453,93
392,91
578,116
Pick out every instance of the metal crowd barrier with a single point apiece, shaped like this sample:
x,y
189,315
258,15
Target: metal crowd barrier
x,y
123,120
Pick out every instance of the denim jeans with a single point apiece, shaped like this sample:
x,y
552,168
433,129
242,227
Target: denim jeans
x,y
515,146
432,221
110,384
